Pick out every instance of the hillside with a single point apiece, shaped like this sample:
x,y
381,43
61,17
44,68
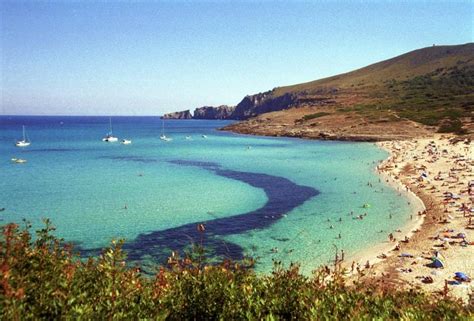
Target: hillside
x,y
412,64
426,90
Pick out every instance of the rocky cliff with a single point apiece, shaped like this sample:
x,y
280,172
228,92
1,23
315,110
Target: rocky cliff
x,y
250,106
208,112
185,114
261,103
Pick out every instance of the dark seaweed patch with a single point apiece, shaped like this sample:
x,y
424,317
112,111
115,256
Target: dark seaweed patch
x,y
283,196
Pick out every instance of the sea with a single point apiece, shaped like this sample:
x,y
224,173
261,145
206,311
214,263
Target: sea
x,y
281,200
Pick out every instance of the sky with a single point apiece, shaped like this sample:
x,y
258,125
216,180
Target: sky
x,y
151,57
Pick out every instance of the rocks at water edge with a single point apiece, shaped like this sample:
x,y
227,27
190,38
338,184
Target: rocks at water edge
x,y
185,114
250,106
209,112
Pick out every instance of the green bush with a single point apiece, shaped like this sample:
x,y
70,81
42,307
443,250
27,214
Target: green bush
x,y
433,99
42,278
315,115
452,126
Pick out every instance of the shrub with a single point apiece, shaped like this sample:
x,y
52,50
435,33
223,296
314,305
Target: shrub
x,y
45,279
315,115
452,126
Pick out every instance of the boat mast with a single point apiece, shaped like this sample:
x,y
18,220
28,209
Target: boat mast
x,y
24,136
110,125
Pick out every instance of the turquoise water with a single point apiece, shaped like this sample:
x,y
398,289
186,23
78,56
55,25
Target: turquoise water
x,y
271,198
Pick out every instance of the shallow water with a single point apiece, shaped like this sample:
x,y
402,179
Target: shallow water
x,y
271,198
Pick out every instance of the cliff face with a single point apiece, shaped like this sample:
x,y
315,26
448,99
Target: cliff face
x,y
250,106
261,103
185,114
208,112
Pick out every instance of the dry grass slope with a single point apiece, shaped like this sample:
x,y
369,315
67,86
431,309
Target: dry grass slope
x,y
418,93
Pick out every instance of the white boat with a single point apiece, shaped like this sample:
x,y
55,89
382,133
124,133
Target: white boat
x,y
203,136
189,137
163,136
110,138
25,141
18,160
126,141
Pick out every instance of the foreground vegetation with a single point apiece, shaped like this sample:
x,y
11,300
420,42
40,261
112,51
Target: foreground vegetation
x,y
41,278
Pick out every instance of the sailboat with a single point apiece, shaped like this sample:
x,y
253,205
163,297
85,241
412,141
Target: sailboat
x,y
25,141
163,136
110,138
18,160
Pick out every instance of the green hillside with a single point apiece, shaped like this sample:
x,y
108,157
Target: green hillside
x,y
433,86
401,68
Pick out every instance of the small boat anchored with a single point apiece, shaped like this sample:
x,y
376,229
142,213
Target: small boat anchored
x,y
126,141
25,141
18,160
110,138
163,136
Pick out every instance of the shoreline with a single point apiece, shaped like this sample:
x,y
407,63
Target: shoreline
x,y
448,168
332,128
371,254
318,135
442,158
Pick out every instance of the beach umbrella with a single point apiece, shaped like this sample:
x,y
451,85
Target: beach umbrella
x,y
436,263
460,276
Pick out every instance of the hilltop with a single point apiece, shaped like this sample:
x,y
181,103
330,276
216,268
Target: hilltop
x,y
423,91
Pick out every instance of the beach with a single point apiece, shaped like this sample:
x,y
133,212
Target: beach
x,y
439,171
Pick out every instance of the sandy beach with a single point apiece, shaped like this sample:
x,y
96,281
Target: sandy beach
x,y
439,171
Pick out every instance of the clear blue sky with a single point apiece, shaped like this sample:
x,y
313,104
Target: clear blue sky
x,y
146,58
